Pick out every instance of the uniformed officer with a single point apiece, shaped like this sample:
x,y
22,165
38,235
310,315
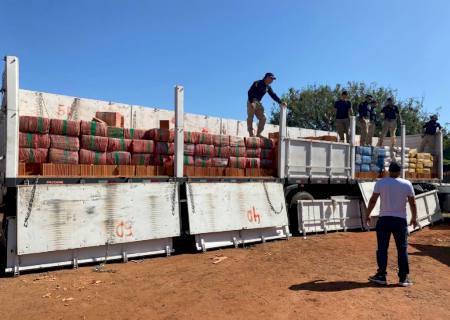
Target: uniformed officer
x,y
390,114
343,112
429,133
366,111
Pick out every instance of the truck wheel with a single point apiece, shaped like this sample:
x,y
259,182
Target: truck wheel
x,y
302,195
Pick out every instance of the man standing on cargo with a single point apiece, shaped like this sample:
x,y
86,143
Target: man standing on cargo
x,y
254,107
429,134
343,112
389,113
366,111
394,193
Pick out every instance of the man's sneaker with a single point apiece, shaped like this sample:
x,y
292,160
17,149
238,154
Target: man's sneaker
x,y
406,282
378,279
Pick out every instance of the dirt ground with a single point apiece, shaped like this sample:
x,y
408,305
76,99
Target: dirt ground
x,y
322,277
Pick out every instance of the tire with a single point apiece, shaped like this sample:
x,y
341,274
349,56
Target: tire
x,y
302,195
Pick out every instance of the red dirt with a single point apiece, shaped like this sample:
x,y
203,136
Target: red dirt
x,y
322,277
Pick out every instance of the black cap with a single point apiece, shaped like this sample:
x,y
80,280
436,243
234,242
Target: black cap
x,y
270,75
394,167
390,99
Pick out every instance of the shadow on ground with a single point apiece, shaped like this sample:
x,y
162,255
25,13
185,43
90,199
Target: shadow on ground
x,y
440,253
333,286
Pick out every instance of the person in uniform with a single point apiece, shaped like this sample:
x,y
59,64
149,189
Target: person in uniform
x,y
429,134
366,112
390,114
343,112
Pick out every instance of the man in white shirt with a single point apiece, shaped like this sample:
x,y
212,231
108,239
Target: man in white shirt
x,y
394,193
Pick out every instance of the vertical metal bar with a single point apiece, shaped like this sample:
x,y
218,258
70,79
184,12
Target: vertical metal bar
x,y
440,153
403,137
179,131
352,145
12,117
281,143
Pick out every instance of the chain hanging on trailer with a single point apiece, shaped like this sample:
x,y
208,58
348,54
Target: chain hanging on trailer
x,y
174,194
30,203
270,202
191,196
41,104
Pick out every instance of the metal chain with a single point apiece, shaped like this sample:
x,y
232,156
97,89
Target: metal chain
x,y
41,105
191,197
73,111
101,266
174,194
270,202
30,203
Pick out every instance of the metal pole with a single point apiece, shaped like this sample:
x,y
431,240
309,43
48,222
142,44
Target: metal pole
x,y
179,131
281,143
403,137
440,153
352,146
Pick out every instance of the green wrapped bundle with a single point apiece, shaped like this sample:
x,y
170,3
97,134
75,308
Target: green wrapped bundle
x,y
220,162
143,146
221,140
237,162
29,155
62,156
252,142
131,133
64,142
189,149
142,159
30,124
252,162
237,151
203,162
65,127
222,152
191,137
94,143
188,160
205,138
163,160
92,157
93,128
253,153
204,150
115,144
164,135
118,157
34,140
237,141
115,132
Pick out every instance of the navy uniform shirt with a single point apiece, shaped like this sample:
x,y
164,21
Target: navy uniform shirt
x,y
390,113
259,89
366,110
431,127
342,107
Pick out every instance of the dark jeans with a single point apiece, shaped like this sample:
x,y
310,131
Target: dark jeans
x,y
399,228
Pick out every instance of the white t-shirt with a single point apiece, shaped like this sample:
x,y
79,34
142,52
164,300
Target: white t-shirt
x,y
394,195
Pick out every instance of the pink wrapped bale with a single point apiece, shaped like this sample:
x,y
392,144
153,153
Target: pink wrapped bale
x,y
115,132
252,142
34,140
253,153
29,155
237,141
166,148
204,150
191,137
143,146
142,159
114,119
267,163
188,160
163,135
221,140
62,156
29,124
267,154
205,138
65,127
64,142
118,158
236,151
220,162
203,162
94,143
93,128
163,160
115,144
252,163
189,149
267,143
131,133
237,162
222,152
92,157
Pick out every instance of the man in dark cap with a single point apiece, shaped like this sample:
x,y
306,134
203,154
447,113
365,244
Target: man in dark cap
x,y
393,192
254,106
343,112
429,134
390,114
366,111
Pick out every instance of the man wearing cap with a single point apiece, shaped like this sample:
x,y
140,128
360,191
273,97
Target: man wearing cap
x,y
343,112
366,111
254,107
393,192
389,113
429,134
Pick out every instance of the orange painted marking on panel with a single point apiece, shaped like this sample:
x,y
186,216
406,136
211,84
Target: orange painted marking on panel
x,y
253,216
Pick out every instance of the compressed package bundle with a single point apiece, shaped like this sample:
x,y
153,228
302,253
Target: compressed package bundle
x,y
358,159
191,137
115,144
428,164
412,153
419,170
205,138
91,157
267,143
163,160
29,155
423,156
375,168
94,143
412,166
221,140
365,168
164,135
379,152
252,162
118,158
266,163
115,132
253,153
203,162
188,160
237,141
65,127
34,140
252,142
419,165
142,159
366,159
204,150
29,124
426,170
220,162
236,151
142,146
64,142
167,148
113,119
93,128
411,170
131,133
189,149
237,162
62,156
267,153
365,151
222,152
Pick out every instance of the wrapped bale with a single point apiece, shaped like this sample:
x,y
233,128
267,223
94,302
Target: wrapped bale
x,y
204,150
115,144
267,143
189,149
93,128
366,159
203,162
424,156
252,142
267,153
237,141
29,155
113,119
163,160
220,162
364,151
62,156
118,158
428,164
358,159
115,132
65,127
220,140
163,135
237,162
142,159
222,152
267,164
64,142
166,148
191,137
94,143
92,157
131,133
236,151
188,160
143,146
34,140
29,124
205,138
412,153
365,168
252,163
253,153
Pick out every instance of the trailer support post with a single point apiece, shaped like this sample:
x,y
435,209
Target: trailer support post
x,y
352,146
281,143
179,131
403,137
440,152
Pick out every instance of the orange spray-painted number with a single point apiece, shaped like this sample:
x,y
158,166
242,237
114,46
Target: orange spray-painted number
x,y
124,229
253,216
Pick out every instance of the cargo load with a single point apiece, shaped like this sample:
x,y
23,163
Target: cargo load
x,y
93,128
60,156
34,140
65,127
92,157
64,142
30,124
94,143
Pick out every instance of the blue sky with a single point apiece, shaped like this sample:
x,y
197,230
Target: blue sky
x,y
136,51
